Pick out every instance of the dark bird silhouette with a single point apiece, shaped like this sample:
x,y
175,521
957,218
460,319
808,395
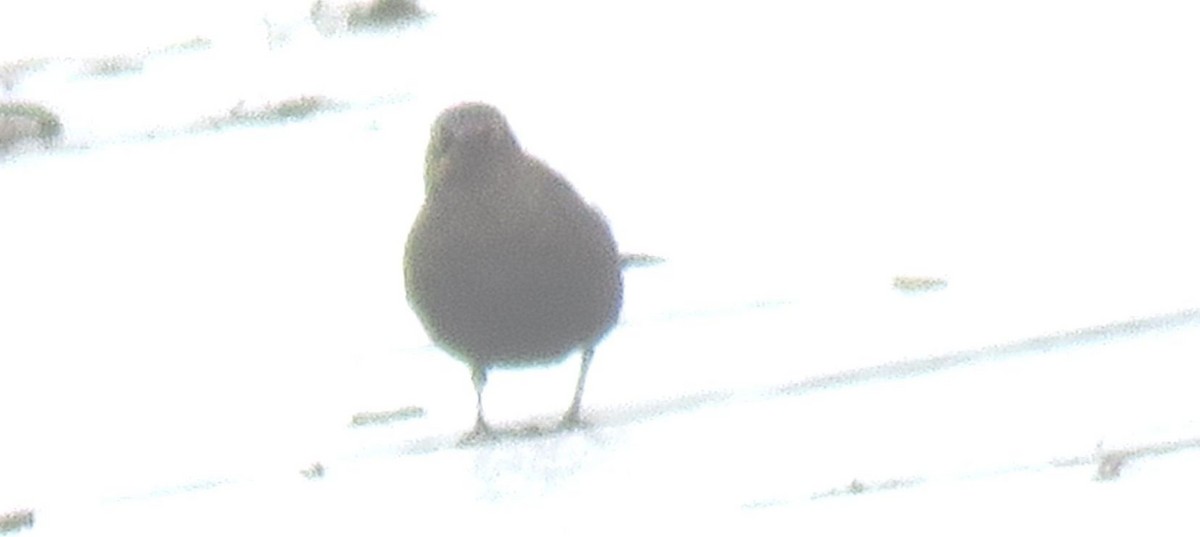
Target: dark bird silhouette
x,y
506,266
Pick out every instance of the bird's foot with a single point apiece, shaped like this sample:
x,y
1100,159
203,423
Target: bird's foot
x,y
481,433
571,421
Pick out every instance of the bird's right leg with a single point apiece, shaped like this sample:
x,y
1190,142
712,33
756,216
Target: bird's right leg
x,y
479,378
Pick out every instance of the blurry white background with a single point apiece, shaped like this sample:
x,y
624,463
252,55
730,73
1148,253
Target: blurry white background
x,y
183,306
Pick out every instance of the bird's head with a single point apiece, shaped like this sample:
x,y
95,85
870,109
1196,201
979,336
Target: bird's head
x,y
465,138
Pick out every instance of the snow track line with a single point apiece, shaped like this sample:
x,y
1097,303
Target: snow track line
x,y
1082,336
646,410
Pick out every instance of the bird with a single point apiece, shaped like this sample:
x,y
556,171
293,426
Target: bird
x,y
505,265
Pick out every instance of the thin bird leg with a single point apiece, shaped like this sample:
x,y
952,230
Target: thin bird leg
x,y
571,418
479,377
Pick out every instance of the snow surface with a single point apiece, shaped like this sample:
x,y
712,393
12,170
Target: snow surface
x,y
191,317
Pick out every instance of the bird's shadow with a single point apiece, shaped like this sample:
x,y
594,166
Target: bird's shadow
x,y
521,432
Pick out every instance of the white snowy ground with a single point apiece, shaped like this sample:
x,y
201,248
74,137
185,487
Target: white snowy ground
x,y
188,320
